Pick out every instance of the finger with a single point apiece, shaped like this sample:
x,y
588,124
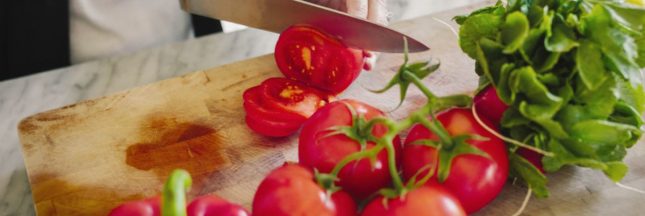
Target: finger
x,y
333,4
358,8
377,11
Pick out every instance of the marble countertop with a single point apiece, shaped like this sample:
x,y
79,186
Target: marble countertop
x,y
26,96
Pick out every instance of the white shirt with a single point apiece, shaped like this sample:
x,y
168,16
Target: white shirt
x,y
102,28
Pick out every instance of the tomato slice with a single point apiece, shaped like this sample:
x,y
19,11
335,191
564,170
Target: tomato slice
x,y
272,128
303,53
287,95
254,106
279,106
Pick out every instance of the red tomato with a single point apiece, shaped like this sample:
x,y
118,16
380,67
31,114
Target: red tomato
x,y
290,190
428,200
279,106
214,206
147,207
474,180
306,54
317,150
489,106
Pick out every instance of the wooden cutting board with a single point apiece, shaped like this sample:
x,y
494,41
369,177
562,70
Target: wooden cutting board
x,y
86,158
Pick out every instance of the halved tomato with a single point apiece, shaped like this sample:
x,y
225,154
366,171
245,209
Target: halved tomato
x,y
303,53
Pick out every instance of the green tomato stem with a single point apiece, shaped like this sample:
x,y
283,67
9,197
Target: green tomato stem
x,y
354,156
174,193
419,84
391,161
438,129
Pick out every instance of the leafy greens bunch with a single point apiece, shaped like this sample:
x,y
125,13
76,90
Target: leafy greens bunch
x,y
570,71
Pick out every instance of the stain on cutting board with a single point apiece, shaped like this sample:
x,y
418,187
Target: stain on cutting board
x,y
169,144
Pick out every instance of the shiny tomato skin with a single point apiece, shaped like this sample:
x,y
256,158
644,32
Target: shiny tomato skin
x,y
214,206
489,106
271,128
360,178
290,190
428,200
473,179
318,59
147,207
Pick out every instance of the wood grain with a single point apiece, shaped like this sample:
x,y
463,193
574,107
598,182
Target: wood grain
x,y
86,158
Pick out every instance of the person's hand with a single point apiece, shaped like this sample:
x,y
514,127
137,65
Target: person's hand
x,y
373,10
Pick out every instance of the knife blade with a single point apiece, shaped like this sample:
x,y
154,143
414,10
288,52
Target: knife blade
x,y
277,15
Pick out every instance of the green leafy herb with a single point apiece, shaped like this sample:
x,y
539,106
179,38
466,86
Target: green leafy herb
x,y
570,71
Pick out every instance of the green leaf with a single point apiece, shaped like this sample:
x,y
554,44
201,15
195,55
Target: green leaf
x,y
543,60
632,94
616,170
494,58
496,9
602,132
560,39
475,28
530,43
539,104
503,91
600,101
640,43
628,17
514,31
530,174
618,47
565,157
513,118
589,64
626,114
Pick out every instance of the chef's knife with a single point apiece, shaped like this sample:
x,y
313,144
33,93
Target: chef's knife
x,y
277,15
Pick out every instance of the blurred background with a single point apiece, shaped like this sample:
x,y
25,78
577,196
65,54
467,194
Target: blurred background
x,y
40,35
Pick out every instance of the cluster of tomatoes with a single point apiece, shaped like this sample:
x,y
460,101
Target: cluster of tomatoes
x,y
342,170
352,160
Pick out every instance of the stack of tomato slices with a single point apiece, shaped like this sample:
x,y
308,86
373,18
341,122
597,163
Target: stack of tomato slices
x,y
317,67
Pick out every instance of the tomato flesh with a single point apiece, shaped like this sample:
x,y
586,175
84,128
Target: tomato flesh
x,y
318,150
475,180
320,60
279,106
291,190
428,200
292,96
